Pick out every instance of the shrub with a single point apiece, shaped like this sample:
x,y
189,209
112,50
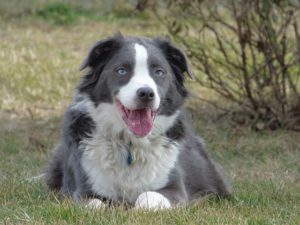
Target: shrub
x,y
59,13
247,51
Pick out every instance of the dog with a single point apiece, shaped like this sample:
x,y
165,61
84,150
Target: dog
x,y
125,137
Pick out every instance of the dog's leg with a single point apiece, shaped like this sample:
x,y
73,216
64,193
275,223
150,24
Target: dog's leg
x,y
84,200
94,203
172,194
151,200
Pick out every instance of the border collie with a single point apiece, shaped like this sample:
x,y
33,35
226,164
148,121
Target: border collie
x,y
125,138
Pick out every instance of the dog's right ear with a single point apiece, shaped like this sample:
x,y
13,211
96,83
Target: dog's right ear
x,y
176,58
101,51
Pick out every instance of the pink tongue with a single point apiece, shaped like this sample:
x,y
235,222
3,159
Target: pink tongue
x,y
140,121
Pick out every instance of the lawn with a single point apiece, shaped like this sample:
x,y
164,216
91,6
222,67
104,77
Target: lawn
x,y
39,61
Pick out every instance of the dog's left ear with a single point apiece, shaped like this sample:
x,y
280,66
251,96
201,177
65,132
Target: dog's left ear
x,y
101,51
176,58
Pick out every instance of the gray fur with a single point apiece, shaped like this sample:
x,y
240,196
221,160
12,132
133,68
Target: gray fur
x,y
195,173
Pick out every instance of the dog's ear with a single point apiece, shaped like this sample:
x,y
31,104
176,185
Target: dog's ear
x,y
102,51
176,58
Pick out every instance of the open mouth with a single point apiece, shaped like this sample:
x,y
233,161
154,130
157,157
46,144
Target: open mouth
x,y
138,121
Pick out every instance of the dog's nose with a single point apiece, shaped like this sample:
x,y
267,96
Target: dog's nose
x,y
145,94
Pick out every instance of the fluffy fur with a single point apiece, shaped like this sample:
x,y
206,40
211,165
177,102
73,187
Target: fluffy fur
x,y
131,76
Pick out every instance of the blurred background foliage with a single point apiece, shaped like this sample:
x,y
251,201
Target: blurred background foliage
x,y
66,12
245,54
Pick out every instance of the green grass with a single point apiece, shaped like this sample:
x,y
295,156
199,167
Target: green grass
x,y
264,169
39,63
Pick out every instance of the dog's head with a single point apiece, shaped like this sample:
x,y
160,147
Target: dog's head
x,y
142,77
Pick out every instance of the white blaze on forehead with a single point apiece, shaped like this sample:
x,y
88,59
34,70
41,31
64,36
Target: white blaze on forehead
x,y
141,62
141,78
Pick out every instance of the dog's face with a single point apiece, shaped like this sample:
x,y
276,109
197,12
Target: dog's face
x,y
141,77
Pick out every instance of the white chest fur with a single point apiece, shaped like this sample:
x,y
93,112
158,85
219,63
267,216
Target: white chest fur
x,y
105,162
105,155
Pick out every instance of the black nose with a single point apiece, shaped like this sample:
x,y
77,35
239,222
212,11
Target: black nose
x,y
145,94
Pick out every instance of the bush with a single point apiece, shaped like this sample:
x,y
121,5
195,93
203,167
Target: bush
x,y
59,13
247,51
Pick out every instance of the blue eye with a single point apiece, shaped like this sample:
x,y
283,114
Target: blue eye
x,y
159,72
121,71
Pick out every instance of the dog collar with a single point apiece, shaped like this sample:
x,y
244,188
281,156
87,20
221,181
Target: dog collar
x,y
129,158
130,155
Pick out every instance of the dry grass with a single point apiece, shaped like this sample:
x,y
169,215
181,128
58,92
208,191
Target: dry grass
x,y
40,63
38,73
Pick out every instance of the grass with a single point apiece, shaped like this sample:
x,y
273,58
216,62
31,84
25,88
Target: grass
x,y
39,63
264,169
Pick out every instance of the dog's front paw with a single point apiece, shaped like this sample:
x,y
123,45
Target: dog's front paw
x,y
95,204
151,200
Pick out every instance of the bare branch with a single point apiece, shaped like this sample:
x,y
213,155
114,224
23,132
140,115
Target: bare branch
x,y
247,51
